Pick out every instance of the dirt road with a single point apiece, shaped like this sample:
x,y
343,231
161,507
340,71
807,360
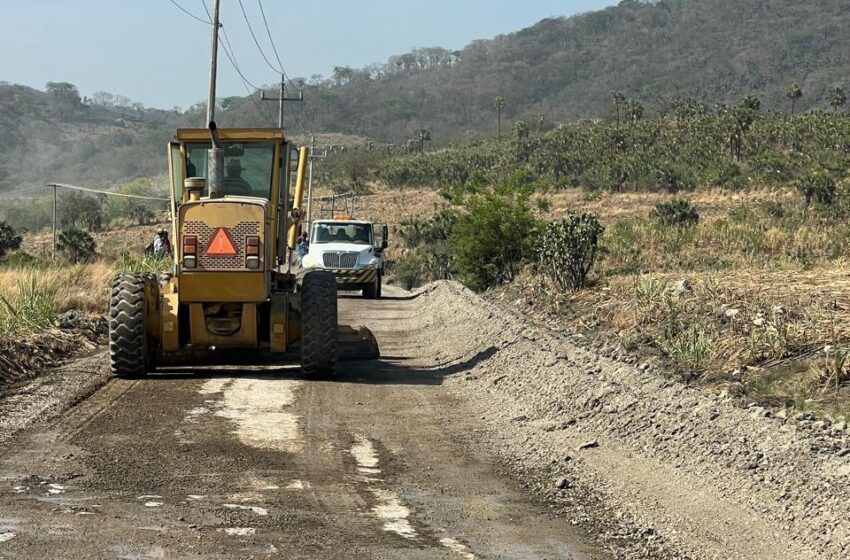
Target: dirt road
x,y
261,463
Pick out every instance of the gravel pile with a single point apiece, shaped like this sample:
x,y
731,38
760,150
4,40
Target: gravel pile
x,y
657,469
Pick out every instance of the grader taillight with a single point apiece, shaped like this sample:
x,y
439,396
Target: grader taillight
x,y
190,251
252,252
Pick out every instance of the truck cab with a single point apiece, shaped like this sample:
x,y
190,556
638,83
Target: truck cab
x,y
352,250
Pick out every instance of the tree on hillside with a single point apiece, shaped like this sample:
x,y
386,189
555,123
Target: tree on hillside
x,y
64,97
521,130
837,98
77,245
80,209
633,111
795,94
10,240
64,91
541,122
618,99
138,210
500,106
421,136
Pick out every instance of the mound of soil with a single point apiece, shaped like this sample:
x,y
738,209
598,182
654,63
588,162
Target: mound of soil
x,y
603,437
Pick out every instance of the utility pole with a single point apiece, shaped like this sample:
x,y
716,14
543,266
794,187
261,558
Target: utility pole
x,y
281,99
313,156
213,65
215,155
54,221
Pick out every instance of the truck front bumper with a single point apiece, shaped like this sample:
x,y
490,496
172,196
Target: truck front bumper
x,y
352,277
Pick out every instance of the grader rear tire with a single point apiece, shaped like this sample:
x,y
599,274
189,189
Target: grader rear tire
x,y
130,351
319,349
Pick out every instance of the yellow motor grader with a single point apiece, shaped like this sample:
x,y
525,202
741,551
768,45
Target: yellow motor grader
x,y
233,295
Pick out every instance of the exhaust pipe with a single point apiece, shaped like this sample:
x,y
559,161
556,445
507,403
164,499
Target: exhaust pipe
x,y
215,163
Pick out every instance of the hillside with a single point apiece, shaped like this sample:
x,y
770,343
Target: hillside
x,y
565,68
57,136
560,69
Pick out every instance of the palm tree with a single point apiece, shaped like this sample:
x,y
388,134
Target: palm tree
x,y
422,135
619,99
500,105
633,111
837,98
794,93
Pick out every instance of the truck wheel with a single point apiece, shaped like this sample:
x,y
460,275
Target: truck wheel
x,y
318,324
373,290
380,288
130,351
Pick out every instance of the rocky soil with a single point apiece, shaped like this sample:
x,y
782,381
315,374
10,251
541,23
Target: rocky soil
x,y
615,443
74,334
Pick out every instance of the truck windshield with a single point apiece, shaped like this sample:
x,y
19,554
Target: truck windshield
x,y
248,167
359,234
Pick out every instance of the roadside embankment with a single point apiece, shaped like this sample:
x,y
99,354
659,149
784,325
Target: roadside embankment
x,y
694,472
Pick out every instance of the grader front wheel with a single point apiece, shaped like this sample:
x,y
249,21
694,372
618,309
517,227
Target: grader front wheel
x,y
130,351
319,325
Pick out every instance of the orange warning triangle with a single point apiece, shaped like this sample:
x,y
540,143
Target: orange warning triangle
x,y
221,244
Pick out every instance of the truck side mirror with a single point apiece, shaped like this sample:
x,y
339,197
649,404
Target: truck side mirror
x,y
385,238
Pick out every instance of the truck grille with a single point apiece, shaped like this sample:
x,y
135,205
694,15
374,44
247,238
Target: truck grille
x,y
339,260
205,234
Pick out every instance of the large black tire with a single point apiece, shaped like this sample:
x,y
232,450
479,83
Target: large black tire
x,y
379,291
373,290
319,325
130,351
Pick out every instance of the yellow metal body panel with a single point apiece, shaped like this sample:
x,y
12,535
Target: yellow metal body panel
x,y
169,323
230,134
224,279
224,287
246,337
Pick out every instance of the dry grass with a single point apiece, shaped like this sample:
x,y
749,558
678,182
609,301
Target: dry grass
x,y
610,206
84,287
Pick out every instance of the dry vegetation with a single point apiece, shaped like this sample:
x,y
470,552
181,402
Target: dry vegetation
x,y
754,299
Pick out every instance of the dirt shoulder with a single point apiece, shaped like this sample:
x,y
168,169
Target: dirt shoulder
x,y
692,471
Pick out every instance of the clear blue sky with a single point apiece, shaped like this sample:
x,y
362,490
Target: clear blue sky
x,y
151,52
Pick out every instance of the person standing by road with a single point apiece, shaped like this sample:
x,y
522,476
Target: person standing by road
x,y
162,245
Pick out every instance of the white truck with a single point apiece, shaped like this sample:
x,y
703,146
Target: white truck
x,y
350,249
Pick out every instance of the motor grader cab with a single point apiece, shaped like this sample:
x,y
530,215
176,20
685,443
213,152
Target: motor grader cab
x,y
232,296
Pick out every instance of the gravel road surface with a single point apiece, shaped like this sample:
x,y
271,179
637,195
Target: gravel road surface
x,y
261,463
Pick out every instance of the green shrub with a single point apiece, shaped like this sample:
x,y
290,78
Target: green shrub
x,y
676,212
492,239
409,270
77,245
725,175
20,259
817,186
569,247
10,240
416,231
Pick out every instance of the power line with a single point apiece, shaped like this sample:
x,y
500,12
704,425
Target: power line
x,y
21,193
190,14
229,51
110,193
271,40
256,42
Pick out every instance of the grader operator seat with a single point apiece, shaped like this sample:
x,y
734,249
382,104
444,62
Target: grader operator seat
x,y
232,296
234,184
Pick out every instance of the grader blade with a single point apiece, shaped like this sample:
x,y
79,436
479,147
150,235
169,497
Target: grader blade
x,y
357,344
